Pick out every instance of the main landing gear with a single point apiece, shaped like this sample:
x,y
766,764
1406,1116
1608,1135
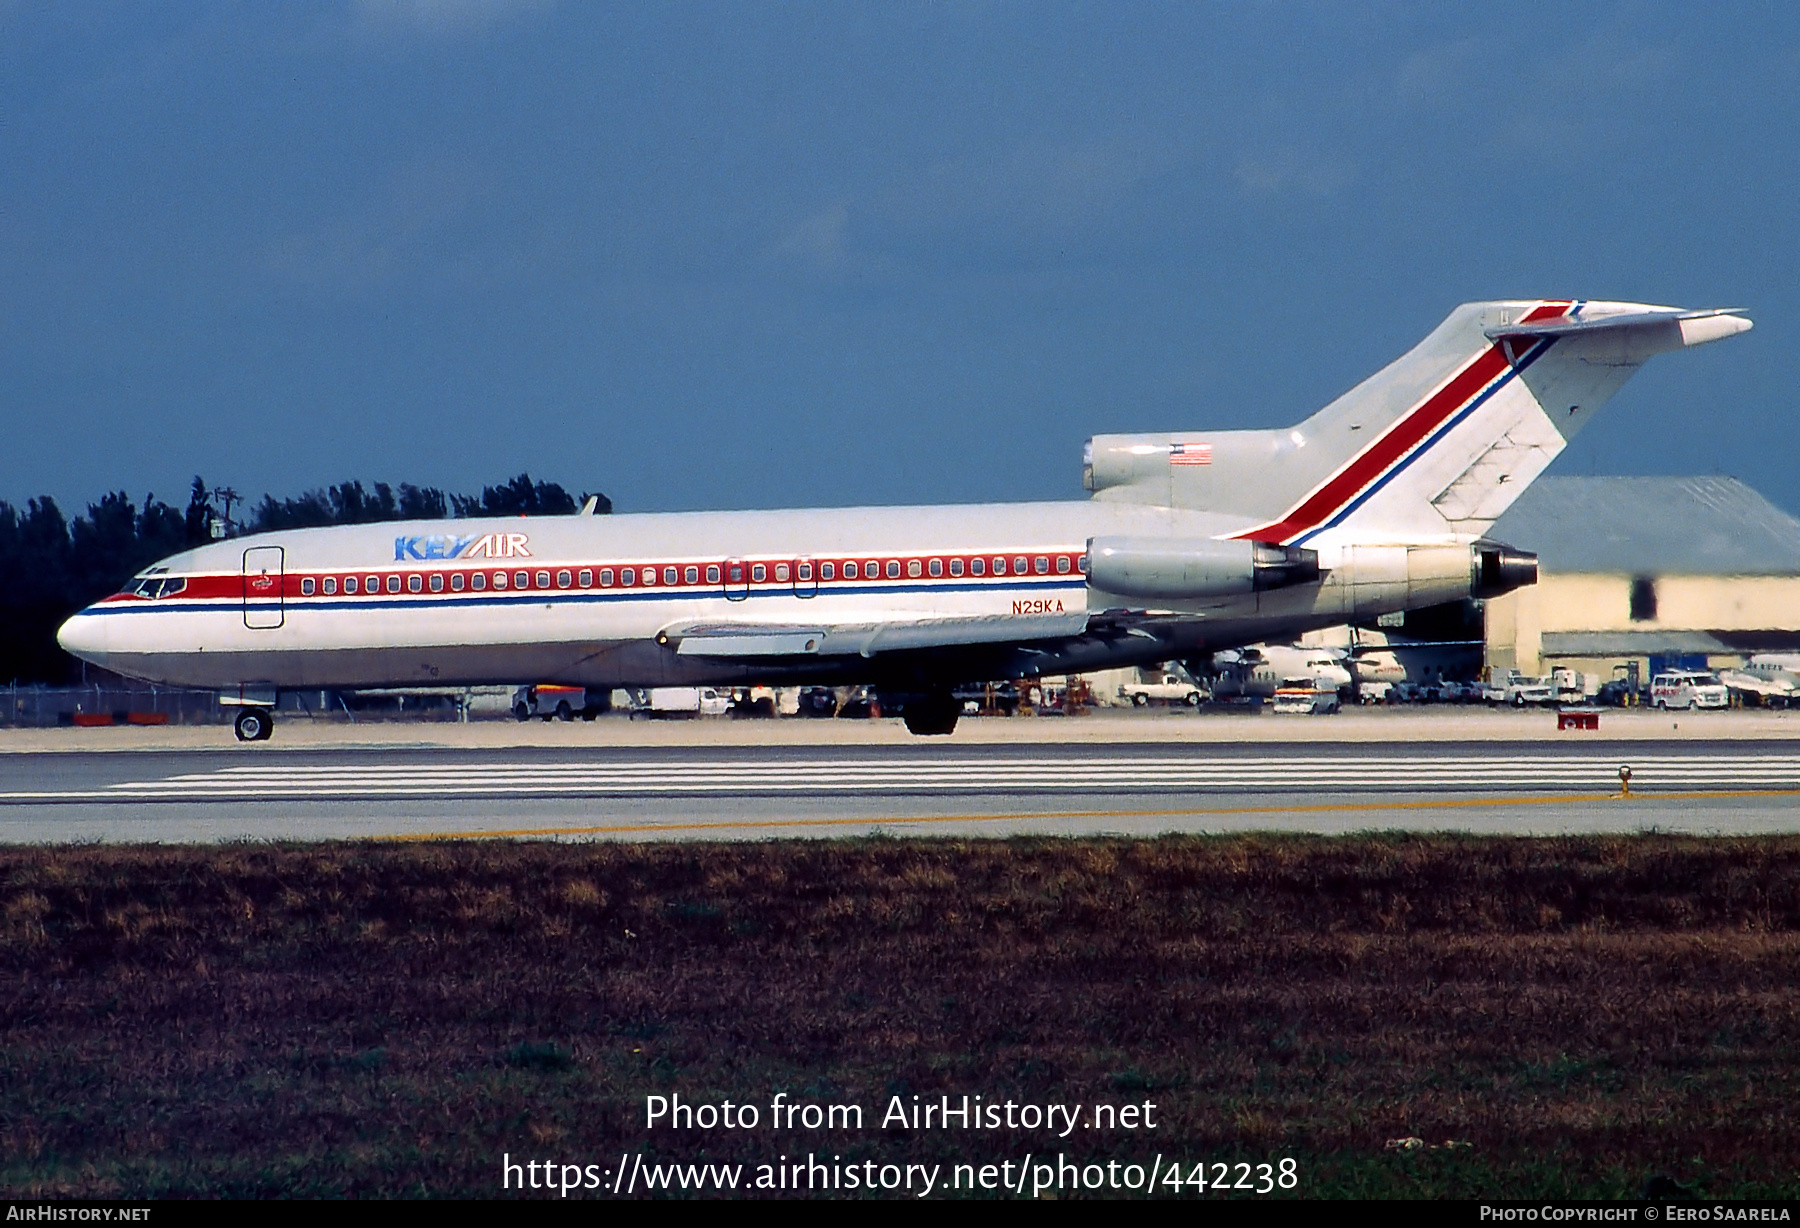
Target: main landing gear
x,y
255,724
936,713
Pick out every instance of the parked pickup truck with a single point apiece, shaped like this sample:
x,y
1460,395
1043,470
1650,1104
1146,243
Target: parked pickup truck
x,y
679,701
1519,690
1167,687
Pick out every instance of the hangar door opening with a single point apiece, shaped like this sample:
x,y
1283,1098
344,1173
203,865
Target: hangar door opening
x,y
263,608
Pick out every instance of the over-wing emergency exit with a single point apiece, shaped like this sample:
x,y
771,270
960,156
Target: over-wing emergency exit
x,y
1192,542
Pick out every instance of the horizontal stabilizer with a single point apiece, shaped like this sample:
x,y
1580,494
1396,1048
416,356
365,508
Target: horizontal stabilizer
x,y
1696,327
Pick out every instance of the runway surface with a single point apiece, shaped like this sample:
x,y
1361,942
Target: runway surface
x,y
731,792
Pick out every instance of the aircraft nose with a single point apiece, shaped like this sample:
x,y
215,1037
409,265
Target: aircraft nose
x,y
84,636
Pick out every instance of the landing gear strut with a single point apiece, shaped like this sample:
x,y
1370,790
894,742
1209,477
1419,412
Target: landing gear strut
x,y
936,713
255,724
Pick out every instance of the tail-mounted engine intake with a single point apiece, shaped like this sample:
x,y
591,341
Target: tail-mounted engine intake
x,y
1178,569
1496,568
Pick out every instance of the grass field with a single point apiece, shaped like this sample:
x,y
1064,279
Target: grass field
x,y
366,1019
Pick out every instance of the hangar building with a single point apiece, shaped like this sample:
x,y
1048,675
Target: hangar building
x,y
1689,571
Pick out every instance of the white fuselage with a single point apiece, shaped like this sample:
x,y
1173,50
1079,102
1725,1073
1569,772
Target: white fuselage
x,y
905,595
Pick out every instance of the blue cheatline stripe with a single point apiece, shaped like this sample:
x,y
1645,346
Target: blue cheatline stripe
x,y
1530,356
568,597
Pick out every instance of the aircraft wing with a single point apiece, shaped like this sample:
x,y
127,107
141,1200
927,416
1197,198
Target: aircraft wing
x,y
754,639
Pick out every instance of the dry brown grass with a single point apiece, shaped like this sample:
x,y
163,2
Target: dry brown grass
x,y
374,1019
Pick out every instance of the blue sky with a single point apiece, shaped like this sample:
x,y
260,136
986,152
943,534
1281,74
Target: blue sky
x,y
759,255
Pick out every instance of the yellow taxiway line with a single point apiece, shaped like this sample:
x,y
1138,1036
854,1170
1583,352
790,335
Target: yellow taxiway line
x,y
1462,803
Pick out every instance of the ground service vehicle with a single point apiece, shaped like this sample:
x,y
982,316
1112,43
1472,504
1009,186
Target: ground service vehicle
x,y
1301,696
680,701
565,703
1682,689
1193,542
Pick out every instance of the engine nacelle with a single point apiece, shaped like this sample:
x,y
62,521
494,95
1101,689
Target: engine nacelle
x,y
1497,568
1187,569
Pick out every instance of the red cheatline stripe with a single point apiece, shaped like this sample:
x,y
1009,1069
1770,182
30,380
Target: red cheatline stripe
x,y
1388,449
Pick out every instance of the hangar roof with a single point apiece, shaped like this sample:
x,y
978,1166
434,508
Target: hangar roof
x,y
1705,526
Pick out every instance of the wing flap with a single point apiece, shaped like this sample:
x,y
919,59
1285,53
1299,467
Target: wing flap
x,y
739,640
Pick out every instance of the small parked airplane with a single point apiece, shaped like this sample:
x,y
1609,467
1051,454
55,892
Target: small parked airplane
x,y
1262,669
1193,541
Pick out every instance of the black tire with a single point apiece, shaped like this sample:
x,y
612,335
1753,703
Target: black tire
x,y
1193,699
564,713
522,711
1519,700
1140,700
254,724
588,714
932,716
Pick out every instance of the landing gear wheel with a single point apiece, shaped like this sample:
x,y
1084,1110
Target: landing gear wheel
x,y
254,724
932,715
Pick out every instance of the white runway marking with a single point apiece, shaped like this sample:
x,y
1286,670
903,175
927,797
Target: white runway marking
x,y
825,776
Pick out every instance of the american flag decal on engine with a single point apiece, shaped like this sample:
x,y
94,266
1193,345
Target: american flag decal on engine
x,y
1190,454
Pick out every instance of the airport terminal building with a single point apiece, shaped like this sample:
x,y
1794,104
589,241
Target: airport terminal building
x,y
1687,570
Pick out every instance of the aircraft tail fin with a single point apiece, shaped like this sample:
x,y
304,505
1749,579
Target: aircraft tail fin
x,y
1437,444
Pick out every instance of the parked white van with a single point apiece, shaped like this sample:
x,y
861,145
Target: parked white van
x,y
1688,689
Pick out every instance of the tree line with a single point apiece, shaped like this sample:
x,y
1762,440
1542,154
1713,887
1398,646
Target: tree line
x,y
51,566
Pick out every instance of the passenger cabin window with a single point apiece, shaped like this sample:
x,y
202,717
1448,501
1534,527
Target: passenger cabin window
x,y
478,581
781,573
978,567
668,575
437,581
803,571
1018,565
914,568
849,570
712,573
543,579
350,585
372,585
1062,564
828,571
499,580
937,567
1041,565
306,587
758,572
393,584
522,579
690,575
606,577
893,569
585,578
956,567
415,583
628,577
564,579
458,582
999,567
330,585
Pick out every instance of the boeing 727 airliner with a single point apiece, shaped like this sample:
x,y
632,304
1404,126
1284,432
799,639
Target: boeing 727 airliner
x,y
1191,542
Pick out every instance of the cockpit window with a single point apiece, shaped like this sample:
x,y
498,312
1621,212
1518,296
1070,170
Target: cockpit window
x,y
156,585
